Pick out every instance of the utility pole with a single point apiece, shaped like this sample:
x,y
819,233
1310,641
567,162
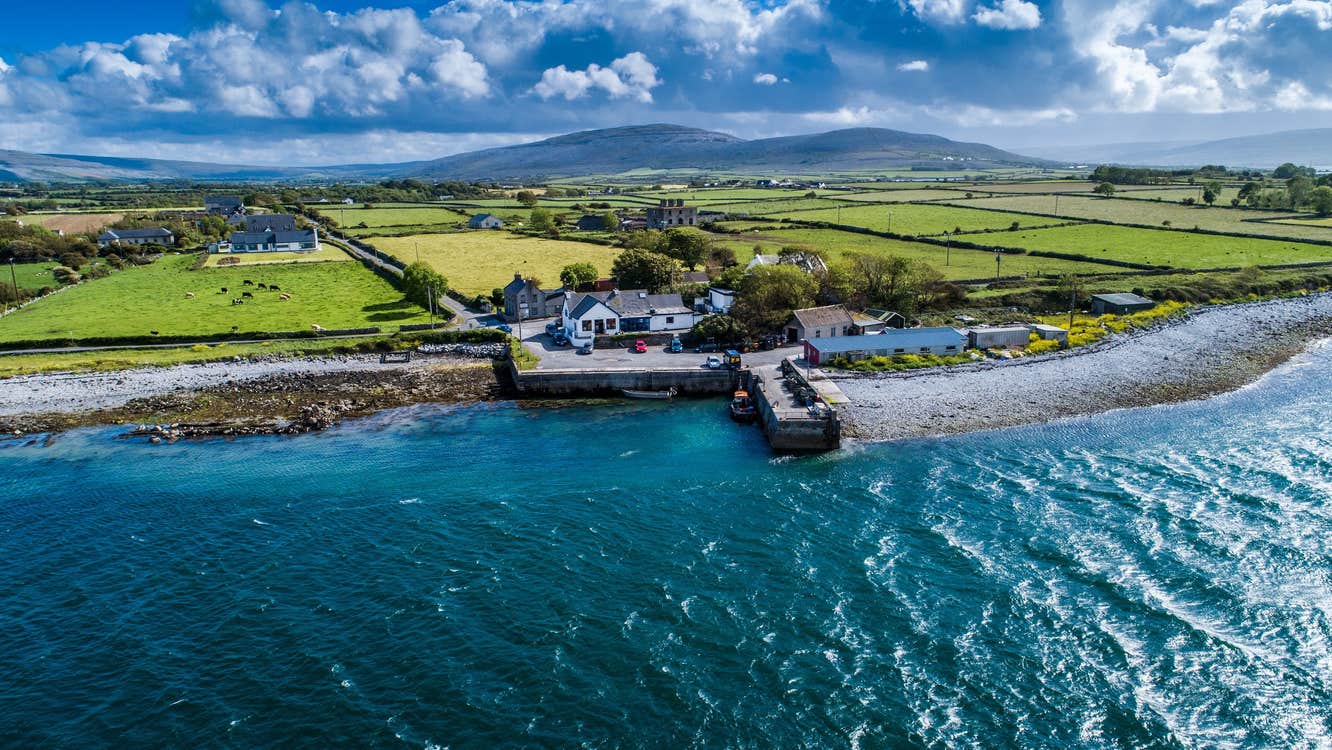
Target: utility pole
x,y
14,280
1072,303
948,248
417,245
430,292
997,258
1056,203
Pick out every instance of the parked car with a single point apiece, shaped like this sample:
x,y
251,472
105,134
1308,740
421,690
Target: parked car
x,y
561,340
552,329
640,347
585,349
709,347
505,327
676,346
714,363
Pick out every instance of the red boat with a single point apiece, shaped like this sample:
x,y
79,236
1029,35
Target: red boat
x,y
742,407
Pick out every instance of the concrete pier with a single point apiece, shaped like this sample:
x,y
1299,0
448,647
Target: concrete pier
x,y
790,422
609,382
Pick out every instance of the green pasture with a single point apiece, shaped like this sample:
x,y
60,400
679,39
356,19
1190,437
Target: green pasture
x,y
904,196
138,300
30,276
917,219
477,262
1159,247
327,252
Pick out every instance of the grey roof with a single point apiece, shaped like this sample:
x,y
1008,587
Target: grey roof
x,y
695,277
134,234
278,238
828,315
905,338
1123,298
631,303
476,220
270,223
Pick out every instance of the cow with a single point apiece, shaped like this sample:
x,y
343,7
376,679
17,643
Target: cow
x,y
262,287
247,294
153,333
235,301
316,327
274,288
284,296
224,291
247,282
189,295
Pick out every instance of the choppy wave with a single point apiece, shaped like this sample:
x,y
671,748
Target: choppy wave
x,y
624,576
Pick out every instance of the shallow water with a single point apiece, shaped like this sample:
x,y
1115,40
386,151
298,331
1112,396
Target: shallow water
x,y
650,575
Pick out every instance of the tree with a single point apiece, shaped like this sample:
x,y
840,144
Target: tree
x,y
769,295
690,248
575,275
637,268
1285,171
1105,188
527,198
541,220
610,221
1211,191
721,328
1298,189
420,282
1321,200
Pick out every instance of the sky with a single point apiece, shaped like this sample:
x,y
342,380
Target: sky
x,y
335,81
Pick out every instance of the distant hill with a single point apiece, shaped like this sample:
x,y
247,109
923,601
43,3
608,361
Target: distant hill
x,y
1305,147
592,152
618,150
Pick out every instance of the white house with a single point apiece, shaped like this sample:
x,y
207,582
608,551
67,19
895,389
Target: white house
x,y
159,236
588,315
296,241
485,221
720,300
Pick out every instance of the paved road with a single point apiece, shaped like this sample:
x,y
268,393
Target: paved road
x,y
566,358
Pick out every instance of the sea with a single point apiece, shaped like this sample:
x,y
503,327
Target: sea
x,y
635,574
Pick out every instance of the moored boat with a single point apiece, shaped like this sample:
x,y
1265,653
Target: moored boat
x,y
668,393
742,407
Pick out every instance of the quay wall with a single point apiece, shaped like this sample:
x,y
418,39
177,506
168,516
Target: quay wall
x,y
691,382
788,430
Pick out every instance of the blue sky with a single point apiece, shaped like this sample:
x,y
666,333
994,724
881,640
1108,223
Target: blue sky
x,y
338,81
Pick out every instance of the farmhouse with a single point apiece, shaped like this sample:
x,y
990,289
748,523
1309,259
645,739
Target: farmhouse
x,y
264,222
1119,304
485,221
296,241
819,323
941,341
672,212
223,205
523,297
157,236
586,316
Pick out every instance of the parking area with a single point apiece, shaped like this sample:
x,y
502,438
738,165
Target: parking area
x,y
656,357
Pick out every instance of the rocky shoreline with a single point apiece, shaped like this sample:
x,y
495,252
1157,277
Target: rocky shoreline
x,y
295,397
1210,351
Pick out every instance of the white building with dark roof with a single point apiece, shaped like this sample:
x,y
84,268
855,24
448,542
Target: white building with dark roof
x,y
136,237
588,315
295,241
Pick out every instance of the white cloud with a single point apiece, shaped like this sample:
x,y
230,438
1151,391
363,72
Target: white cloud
x,y
630,76
765,79
914,66
940,11
1010,15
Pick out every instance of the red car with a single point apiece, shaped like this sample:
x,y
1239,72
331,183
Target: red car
x,y
640,347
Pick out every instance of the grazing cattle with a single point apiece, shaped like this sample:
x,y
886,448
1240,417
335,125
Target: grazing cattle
x,y
235,328
261,286
316,327
153,332
189,295
237,301
247,294
274,288
247,282
224,291
284,296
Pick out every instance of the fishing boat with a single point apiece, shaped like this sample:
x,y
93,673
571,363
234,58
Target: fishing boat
x,y
742,407
668,393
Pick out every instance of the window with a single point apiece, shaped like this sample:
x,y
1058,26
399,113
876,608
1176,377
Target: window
x,y
670,319
899,351
818,333
587,325
610,324
924,350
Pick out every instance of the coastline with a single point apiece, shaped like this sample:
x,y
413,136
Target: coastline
x,y
1207,352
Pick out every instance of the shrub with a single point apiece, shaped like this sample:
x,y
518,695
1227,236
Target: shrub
x,y
1042,346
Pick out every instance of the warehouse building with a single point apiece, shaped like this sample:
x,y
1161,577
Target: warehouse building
x,y
942,341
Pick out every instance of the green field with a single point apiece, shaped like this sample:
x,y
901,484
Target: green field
x,y
30,276
954,264
1152,213
1159,247
903,196
1325,221
135,301
477,262
391,216
794,203
327,253
917,219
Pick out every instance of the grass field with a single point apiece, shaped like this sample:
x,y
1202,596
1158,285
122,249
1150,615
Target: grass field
x,y
954,264
795,203
389,216
327,253
1177,249
917,219
903,196
722,195
1325,221
477,262
30,276
1153,214
138,300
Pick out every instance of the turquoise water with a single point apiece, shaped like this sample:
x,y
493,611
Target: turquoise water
x,y
648,575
